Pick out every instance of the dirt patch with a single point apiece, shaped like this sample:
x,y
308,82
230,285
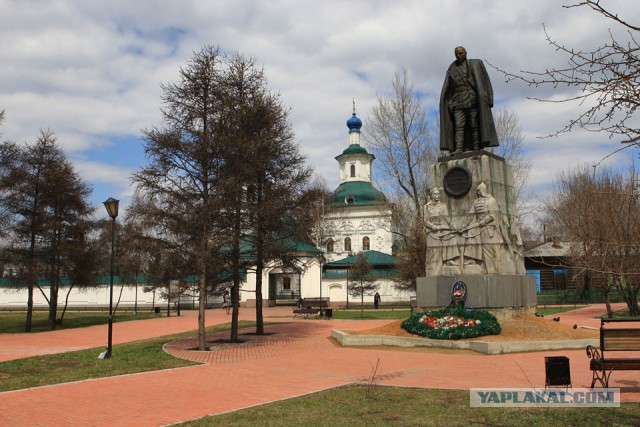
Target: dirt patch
x,y
522,327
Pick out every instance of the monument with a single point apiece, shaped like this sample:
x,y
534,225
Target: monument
x,y
470,219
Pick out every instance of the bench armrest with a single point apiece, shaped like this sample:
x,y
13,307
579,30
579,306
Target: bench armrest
x,y
593,353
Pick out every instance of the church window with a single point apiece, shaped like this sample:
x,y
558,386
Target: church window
x,y
347,244
353,171
330,246
286,283
365,243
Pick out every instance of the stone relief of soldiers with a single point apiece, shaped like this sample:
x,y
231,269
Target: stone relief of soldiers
x,y
483,246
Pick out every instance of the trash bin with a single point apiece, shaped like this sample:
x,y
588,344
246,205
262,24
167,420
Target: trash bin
x,y
328,313
156,310
557,371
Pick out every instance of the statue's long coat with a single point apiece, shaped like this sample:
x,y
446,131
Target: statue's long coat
x,y
479,79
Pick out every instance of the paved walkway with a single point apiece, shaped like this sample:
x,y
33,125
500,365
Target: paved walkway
x,y
298,358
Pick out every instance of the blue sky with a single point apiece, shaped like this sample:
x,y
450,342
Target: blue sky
x,y
91,71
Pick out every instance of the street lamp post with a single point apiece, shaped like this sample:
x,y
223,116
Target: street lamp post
x,y
112,209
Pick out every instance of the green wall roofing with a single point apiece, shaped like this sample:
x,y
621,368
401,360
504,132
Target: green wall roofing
x,y
374,258
382,266
357,193
355,149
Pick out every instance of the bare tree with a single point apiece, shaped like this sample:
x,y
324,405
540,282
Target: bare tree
x,y
605,80
318,194
362,281
511,148
399,135
600,212
83,267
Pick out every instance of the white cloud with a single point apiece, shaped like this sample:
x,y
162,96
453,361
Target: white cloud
x,y
91,71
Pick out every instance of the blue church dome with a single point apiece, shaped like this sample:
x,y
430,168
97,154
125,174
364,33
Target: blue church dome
x,y
354,123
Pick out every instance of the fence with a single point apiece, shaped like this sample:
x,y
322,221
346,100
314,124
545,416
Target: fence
x,y
576,297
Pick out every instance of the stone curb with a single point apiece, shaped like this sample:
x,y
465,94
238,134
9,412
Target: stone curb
x,y
491,348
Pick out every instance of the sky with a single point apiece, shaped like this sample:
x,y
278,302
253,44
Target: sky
x,y
91,71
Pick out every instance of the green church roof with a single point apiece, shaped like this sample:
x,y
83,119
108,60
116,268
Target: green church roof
x,y
355,149
374,258
382,266
357,193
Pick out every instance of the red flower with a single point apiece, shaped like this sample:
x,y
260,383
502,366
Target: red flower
x,y
447,322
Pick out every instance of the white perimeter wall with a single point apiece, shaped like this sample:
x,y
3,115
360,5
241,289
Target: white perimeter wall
x,y
98,296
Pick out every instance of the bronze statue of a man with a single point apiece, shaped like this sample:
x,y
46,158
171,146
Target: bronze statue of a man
x,y
466,122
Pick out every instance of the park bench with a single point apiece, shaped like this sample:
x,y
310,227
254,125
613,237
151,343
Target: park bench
x,y
614,339
314,302
306,312
312,307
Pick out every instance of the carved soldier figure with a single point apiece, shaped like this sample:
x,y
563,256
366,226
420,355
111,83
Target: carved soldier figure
x,y
439,233
466,122
483,236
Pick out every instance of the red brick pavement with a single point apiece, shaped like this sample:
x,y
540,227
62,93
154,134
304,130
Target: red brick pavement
x,y
298,358
16,346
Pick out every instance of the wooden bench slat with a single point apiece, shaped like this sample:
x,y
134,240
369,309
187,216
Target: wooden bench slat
x,y
622,347
623,332
615,364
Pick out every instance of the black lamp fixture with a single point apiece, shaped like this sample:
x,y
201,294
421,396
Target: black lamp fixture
x,y
111,205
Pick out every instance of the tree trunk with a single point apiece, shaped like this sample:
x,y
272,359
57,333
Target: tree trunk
x,y
259,270
29,308
53,303
66,304
624,291
202,302
607,302
636,309
235,290
259,318
169,300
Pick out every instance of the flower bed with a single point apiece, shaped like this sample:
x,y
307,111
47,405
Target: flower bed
x,y
452,324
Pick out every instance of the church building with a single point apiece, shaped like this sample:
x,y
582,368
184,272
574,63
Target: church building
x,y
357,220
358,216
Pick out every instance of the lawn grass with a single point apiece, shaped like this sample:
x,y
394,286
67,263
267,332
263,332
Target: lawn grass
x,y
371,314
139,356
546,311
618,314
354,406
14,322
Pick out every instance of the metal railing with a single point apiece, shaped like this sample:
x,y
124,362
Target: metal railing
x,y
576,297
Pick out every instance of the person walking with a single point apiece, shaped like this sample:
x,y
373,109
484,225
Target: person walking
x,y
376,300
226,301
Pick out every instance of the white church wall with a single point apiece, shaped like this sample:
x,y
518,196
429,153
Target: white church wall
x,y
357,223
307,280
336,290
